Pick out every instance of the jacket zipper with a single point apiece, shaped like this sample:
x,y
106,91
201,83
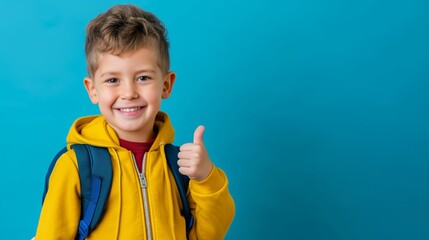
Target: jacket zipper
x,y
143,184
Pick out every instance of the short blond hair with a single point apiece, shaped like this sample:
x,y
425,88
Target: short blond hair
x,y
125,28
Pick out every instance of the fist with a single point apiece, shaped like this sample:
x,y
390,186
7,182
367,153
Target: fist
x,y
194,160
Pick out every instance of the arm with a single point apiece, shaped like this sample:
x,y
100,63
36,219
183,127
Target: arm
x,y
60,213
212,204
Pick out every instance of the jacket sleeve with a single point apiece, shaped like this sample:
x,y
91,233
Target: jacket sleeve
x,y
212,206
60,213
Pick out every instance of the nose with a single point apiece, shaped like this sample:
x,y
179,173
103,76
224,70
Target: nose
x,y
129,90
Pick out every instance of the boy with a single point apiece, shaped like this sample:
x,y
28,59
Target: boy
x,y
128,66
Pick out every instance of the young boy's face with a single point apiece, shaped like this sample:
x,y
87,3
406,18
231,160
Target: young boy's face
x,y
128,90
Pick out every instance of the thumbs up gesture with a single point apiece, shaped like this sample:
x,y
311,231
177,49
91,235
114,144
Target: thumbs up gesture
x,y
194,160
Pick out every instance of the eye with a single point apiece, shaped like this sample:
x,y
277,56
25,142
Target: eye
x,y
112,80
143,78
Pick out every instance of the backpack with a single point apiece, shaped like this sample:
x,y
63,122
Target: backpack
x,y
95,175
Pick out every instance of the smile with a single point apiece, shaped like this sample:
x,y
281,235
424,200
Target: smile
x,y
130,109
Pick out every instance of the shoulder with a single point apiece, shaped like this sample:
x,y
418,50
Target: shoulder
x,y
63,174
66,162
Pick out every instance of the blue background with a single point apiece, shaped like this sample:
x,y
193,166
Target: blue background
x,y
317,110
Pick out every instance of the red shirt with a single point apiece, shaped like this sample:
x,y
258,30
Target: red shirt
x,y
138,149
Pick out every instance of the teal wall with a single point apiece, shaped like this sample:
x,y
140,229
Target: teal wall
x,y
317,110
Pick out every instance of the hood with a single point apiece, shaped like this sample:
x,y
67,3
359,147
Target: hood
x,y
95,130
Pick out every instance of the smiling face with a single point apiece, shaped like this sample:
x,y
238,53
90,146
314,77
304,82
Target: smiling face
x,y
128,90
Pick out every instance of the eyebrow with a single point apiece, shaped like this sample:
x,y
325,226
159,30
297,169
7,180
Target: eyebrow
x,y
145,71
109,73
137,72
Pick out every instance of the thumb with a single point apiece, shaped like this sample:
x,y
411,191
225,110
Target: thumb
x,y
198,134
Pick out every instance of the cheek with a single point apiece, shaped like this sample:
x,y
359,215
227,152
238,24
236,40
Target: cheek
x,y
153,94
154,98
105,98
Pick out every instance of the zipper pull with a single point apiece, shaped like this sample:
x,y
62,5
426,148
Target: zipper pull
x,y
143,181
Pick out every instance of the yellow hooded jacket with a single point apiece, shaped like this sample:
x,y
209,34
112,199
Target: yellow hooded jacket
x,y
127,214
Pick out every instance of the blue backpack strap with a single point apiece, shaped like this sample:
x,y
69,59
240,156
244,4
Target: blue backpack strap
x,y
95,172
182,183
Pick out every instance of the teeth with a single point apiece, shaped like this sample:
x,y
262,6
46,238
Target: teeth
x,y
129,109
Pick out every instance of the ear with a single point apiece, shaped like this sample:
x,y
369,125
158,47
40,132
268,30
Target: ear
x,y
90,88
168,84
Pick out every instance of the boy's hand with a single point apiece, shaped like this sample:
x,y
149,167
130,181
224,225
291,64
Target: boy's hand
x,y
194,160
